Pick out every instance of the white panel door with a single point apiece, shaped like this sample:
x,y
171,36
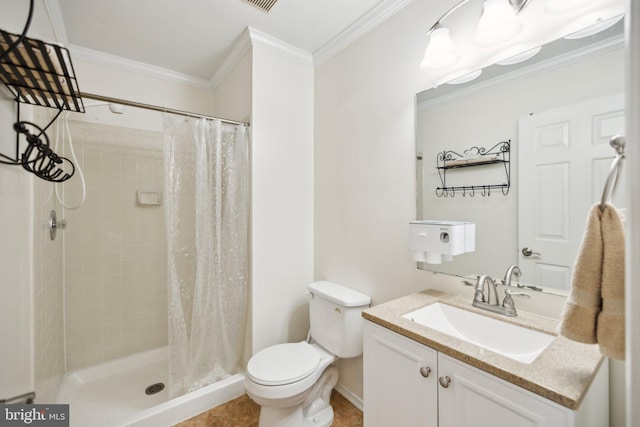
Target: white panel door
x,y
564,159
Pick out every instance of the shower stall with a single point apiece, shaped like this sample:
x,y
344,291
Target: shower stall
x,y
155,264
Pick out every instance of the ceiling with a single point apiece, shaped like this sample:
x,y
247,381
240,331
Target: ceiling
x,y
193,37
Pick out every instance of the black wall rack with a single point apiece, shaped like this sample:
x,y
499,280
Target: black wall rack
x,y
38,73
474,156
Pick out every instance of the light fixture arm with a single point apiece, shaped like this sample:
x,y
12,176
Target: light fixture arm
x,y
517,5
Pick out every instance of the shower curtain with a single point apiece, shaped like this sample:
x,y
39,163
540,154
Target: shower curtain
x,y
207,207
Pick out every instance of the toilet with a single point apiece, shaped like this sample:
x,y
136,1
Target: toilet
x,y
293,382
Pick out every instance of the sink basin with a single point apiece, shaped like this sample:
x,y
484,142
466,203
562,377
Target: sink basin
x,y
515,342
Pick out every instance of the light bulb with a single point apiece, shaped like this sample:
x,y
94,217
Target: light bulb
x,y
497,24
441,52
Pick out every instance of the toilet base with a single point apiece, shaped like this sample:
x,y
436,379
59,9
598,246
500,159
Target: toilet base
x,y
285,417
293,417
315,411
322,418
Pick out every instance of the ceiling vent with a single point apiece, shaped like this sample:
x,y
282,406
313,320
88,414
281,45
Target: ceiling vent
x,y
264,5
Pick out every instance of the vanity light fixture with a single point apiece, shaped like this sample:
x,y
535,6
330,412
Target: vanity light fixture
x,y
561,6
477,33
498,23
521,56
465,78
440,53
600,25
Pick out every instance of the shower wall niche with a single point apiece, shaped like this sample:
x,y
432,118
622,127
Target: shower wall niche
x,y
114,248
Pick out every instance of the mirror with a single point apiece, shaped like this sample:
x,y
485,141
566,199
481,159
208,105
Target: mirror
x,y
486,112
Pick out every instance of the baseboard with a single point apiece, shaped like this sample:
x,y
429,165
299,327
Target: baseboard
x,y
350,396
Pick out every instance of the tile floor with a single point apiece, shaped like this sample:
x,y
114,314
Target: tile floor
x,y
243,412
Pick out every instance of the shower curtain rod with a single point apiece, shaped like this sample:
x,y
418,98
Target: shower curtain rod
x,y
155,108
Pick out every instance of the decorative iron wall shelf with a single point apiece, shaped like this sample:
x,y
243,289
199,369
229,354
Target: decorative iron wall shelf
x,y
39,73
42,74
475,156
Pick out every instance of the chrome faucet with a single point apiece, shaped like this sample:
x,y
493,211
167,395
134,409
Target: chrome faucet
x,y
492,291
514,270
491,302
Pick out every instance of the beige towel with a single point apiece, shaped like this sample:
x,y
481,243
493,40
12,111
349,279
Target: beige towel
x,y
594,311
611,332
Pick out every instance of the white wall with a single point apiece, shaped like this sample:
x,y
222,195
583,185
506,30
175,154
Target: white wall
x,y
364,155
17,217
282,191
16,266
118,83
233,95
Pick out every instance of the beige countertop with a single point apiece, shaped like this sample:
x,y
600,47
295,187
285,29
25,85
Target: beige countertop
x,y
562,373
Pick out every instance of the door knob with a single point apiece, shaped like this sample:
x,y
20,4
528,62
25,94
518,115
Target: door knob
x,y
425,371
444,381
528,252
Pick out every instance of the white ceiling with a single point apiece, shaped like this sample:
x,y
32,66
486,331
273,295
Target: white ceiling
x,y
192,37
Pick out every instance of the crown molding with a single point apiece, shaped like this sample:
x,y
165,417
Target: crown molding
x,y
57,21
363,25
277,46
107,60
238,50
251,37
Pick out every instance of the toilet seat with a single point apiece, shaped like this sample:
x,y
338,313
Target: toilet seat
x,y
283,364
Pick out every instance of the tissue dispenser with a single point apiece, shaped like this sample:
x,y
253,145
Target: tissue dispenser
x,y
435,241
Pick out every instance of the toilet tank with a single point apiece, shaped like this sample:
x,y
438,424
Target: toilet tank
x,y
335,314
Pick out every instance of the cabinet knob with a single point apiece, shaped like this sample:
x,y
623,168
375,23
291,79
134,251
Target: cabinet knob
x,y
425,371
444,381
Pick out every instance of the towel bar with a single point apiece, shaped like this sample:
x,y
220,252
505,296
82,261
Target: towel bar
x,y
618,144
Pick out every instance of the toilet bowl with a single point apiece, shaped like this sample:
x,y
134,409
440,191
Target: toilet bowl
x,y
285,381
292,382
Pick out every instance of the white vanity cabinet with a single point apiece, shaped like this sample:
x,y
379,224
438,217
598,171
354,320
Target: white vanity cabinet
x,y
397,391
400,380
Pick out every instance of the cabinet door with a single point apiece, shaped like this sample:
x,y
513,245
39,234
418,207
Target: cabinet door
x,y
474,398
399,390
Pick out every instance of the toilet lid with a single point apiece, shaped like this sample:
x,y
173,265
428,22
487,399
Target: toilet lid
x,y
283,364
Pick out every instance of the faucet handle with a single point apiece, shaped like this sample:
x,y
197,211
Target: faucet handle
x,y
508,304
509,292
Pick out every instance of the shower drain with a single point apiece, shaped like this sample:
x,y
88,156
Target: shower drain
x,y
154,388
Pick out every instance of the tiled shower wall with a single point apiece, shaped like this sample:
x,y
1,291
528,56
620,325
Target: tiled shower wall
x,y
115,248
48,296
